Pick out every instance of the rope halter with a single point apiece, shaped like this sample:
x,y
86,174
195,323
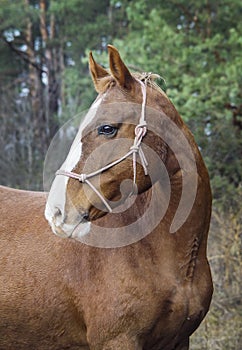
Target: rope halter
x,y
135,150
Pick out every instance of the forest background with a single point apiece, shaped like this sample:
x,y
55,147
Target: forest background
x,y
194,45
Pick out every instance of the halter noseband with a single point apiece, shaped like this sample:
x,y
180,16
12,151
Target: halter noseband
x,y
135,149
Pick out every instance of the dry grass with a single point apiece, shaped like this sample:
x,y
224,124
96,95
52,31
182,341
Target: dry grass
x,y
222,328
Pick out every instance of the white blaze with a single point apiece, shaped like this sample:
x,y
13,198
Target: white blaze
x,y
57,195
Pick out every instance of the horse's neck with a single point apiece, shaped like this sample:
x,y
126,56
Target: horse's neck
x,y
145,212
156,208
132,209
149,219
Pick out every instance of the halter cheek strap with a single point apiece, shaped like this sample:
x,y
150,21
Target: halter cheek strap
x,y
135,150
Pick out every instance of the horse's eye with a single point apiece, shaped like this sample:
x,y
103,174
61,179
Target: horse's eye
x,y
107,130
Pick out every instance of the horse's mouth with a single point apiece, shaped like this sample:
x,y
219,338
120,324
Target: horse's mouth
x,y
72,230
76,225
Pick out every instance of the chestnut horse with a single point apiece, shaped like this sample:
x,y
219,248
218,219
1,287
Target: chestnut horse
x,y
133,196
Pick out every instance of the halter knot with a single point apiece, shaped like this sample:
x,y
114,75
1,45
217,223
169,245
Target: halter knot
x,y
141,125
82,178
134,148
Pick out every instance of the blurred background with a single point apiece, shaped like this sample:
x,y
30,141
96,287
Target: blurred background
x,y
196,46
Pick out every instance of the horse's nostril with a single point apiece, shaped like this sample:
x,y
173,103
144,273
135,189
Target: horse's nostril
x,y
57,212
85,216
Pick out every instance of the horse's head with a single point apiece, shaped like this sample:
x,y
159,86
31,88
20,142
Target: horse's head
x,y
108,159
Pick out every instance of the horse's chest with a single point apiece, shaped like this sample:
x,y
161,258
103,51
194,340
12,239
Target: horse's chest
x,y
131,303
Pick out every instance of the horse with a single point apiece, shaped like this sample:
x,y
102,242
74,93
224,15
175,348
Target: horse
x,y
116,257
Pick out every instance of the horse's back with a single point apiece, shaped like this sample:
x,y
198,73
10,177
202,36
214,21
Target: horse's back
x,y
21,209
23,227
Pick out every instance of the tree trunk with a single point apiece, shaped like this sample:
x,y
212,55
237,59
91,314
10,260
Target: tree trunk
x,y
52,60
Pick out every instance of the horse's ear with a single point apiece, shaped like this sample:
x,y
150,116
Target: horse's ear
x,y
118,69
97,72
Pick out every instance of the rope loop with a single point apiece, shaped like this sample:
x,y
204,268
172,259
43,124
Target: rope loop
x,y
140,129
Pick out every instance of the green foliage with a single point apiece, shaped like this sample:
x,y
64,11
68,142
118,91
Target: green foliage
x,y
82,24
77,96
10,11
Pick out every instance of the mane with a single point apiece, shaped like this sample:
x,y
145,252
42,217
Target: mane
x,y
149,79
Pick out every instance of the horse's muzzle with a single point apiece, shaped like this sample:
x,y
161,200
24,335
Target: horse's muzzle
x,y
78,226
